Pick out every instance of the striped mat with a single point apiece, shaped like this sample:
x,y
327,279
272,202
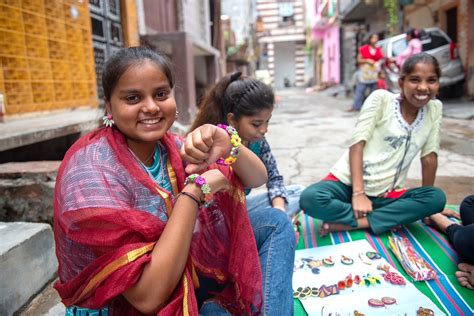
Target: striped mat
x,y
433,246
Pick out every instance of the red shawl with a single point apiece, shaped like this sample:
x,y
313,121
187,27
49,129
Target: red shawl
x,y
105,231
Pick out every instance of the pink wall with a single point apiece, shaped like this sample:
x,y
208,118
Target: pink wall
x,y
329,34
331,55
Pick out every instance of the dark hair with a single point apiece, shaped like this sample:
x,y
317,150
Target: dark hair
x,y
119,62
414,33
423,58
242,96
369,37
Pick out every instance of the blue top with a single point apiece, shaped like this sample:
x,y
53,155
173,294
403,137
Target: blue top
x,y
275,183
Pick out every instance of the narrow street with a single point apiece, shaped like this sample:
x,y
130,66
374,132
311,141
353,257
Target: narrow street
x,y
310,131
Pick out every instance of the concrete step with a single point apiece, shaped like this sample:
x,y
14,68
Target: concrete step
x,y
47,302
27,263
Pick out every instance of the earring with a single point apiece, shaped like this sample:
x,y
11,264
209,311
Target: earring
x,y
177,113
107,120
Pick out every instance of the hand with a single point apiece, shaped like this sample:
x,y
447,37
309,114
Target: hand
x,y
216,180
361,205
450,213
204,146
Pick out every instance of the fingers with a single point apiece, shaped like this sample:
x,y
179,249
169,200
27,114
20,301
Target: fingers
x,y
195,168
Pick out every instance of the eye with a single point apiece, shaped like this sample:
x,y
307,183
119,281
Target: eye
x,y
132,99
432,80
256,125
162,95
414,80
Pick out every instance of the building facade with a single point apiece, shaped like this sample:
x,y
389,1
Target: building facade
x,y
189,33
282,40
326,34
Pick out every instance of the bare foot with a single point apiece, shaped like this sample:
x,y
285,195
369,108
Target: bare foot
x,y
450,213
327,228
439,221
466,275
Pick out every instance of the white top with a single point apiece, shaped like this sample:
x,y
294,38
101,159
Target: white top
x,y
387,137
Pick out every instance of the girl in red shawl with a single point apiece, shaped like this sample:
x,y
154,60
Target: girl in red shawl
x,y
132,235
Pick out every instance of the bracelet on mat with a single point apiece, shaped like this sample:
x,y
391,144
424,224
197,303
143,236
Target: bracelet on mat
x,y
235,141
191,196
202,184
356,193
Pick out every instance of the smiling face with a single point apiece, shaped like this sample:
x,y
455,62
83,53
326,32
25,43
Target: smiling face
x,y
142,105
251,127
419,86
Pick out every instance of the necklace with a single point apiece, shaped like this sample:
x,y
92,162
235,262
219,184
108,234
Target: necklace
x,y
151,156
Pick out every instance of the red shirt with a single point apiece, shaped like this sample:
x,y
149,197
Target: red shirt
x,y
364,51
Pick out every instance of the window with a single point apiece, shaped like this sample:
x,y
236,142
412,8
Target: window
x,y
434,40
286,12
399,46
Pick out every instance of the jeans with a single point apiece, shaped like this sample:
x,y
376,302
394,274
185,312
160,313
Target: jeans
x,y
261,200
276,248
462,236
276,243
359,95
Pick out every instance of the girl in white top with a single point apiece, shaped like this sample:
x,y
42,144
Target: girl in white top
x,y
365,188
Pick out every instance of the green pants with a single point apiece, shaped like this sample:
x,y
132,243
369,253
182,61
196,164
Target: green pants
x,y
331,202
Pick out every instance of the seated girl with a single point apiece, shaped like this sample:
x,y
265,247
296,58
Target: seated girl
x,y
135,234
365,188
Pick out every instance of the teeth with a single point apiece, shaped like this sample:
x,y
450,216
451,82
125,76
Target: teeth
x,y
421,97
150,121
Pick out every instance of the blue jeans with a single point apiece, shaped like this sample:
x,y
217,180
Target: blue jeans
x,y
359,95
261,200
276,248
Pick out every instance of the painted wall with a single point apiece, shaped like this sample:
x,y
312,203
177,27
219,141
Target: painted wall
x,y
331,55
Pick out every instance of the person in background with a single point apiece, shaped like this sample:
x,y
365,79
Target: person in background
x,y
414,47
368,60
381,82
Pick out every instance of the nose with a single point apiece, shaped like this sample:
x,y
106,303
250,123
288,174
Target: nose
x,y
422,85
150,105
263,129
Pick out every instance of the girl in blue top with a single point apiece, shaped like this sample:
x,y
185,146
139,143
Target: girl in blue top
x,y
247,104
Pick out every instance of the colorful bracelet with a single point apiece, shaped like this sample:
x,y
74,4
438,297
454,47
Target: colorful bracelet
x,y
202,184
235,141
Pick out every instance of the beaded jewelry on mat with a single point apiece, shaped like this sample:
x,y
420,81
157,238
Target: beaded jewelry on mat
x,y
236,143
202,184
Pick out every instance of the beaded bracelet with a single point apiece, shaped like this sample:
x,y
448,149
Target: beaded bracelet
x,y
235,141
202,184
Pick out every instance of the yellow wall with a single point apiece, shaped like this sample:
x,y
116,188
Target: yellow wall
x,y
46,56
130,23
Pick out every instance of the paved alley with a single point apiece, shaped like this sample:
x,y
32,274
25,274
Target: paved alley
x,y
310,131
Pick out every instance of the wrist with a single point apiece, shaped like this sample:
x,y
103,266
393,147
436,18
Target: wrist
x,y
235,142
358,193
201,183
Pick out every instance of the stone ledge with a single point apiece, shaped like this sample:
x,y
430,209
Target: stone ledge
x,y
27,262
